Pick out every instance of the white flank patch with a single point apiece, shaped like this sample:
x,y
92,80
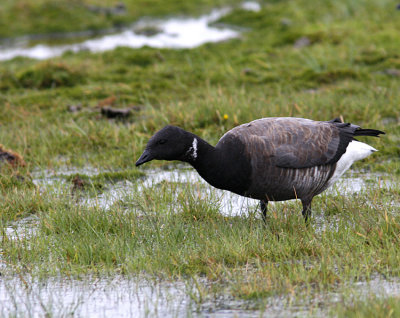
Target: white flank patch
x,y
194,147
355,151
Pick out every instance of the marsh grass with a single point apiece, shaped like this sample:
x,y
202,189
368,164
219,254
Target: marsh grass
x,y
370,307
58,17
180,233
19,196
174,230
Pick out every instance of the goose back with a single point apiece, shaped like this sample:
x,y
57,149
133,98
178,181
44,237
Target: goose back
x,y
290,157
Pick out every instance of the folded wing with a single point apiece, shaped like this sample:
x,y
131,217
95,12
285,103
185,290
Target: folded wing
x,y
294,142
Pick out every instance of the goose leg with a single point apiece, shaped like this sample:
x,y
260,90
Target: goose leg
x,y
306,209
263,206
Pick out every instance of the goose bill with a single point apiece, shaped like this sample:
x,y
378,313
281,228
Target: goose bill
x,y
145,157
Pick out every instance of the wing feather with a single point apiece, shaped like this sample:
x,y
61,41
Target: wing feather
x,y
294,142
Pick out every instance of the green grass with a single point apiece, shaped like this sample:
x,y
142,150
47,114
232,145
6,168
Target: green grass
x,y
372,307
174,230
243,78
49,16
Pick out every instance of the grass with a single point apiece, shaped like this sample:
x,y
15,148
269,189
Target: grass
x,y
372,307
47,16
174,230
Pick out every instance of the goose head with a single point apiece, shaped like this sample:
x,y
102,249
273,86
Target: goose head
x,y
170,143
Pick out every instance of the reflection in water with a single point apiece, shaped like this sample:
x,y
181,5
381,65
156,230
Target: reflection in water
x,y
92,297
132,297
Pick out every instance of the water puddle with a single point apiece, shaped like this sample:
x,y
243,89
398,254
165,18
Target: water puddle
x,y
24,228
132,297
230,203
43,175
251,6
101,297
176,33
319,303
354,182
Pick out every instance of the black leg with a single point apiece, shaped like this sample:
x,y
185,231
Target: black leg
x,y
306,209
263,206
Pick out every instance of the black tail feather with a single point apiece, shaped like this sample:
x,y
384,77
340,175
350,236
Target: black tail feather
x,y
368,132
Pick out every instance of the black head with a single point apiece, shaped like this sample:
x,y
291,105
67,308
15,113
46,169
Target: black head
x,y
169,143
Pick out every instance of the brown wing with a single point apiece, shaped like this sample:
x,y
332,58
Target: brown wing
x,y
294,142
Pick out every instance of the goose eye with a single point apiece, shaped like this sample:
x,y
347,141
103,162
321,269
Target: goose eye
x,y
162,141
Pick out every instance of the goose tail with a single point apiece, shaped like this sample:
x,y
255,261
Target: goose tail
x,y
368,132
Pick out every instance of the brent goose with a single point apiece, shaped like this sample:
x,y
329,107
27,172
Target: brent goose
x,y
269,159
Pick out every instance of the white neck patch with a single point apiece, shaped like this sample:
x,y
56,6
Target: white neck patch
x,y
192,151
194,147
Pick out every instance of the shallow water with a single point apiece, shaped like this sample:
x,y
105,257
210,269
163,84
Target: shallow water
x,y
176,33
25,227
92,297
132,297
251,6
230,203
